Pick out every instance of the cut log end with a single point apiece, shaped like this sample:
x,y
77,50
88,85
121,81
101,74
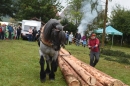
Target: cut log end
x,y
73,81
117,83
91,81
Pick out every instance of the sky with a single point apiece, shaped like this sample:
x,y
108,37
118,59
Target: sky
x,y
123,3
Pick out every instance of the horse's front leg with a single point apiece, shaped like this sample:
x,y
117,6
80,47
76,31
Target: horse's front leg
x,y
47,68
42,72
53,69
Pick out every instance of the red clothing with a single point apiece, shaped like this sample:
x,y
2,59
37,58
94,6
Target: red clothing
x,y
92,43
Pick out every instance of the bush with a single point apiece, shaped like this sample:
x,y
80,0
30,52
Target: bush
x,y
118,56
115,53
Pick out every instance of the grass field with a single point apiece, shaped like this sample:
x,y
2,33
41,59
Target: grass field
x,y
19,64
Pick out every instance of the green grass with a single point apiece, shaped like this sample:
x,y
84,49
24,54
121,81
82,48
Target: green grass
x,y
19,64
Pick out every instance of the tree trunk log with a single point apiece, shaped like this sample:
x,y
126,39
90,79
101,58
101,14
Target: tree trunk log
x,y
102,78
87,77
82,82
98,83
68,74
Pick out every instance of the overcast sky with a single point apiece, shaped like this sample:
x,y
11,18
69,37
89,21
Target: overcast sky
x,y
123,3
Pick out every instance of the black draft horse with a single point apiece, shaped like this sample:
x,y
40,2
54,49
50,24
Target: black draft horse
x,y
52,38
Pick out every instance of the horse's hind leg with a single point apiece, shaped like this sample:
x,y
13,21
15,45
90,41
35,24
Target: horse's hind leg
x,y
42,72
53,69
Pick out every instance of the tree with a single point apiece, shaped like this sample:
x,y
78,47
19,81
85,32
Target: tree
x,y
6,8
74,11
70,26
12,20
120,19
42,9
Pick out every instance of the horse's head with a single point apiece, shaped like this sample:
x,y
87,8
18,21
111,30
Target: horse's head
x,y
58,37
53,32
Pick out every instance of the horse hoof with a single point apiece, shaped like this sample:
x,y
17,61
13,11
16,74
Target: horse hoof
x,y
43,80
51,79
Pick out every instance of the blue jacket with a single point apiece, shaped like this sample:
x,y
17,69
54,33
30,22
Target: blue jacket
x,y
10,29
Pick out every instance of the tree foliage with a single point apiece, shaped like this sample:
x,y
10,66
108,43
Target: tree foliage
x,y
6,8
42,9
75,6
70,26
120,19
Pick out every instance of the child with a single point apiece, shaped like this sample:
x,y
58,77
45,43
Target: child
x,y
84,42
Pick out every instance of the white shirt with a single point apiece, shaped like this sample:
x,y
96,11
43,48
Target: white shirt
x,y
70,37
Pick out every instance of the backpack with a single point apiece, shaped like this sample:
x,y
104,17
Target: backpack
x,y
0,29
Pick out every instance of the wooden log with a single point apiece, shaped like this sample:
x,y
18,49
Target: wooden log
x,y
98,84
101,77
75,74
69,77
88,78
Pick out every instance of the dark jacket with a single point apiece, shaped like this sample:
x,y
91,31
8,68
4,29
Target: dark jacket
x,y
19,31
78,36
34,32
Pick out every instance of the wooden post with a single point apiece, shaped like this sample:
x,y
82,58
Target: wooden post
x,y
105,18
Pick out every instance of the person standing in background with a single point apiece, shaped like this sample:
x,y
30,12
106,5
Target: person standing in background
x,y
93,44
70,38
3,32
18,32
67,36
30,34
10,29
0,31
78,37
38,36
34,34
84,40
7,32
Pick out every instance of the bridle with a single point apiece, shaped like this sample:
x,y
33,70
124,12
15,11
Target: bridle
x,y
47,43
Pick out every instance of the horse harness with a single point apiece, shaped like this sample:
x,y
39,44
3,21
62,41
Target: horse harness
x,y
47,43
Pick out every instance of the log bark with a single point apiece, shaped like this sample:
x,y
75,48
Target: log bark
x,y
82,82
102,78
69,76
88,78
98,84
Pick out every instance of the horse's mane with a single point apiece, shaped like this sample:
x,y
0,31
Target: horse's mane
x,y
51,24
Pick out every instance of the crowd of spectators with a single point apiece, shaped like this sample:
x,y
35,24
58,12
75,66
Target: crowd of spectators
x,y
76,39
9,32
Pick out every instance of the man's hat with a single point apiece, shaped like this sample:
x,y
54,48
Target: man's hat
x,y
93,34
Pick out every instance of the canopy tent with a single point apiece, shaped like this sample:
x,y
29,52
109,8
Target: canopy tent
x,y
110,30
